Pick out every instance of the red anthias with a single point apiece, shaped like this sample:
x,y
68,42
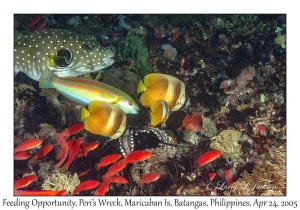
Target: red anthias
x,y
208,157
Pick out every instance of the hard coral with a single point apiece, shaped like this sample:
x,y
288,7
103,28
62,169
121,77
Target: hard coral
x,y
191,136
227,143
169,51
60,181
268,177
246,75
280,40
209,128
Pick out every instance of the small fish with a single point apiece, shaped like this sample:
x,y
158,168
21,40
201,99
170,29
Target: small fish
x,y
34,21
104,119
66,53
157,86
44,150
87,147
193,122
84,172
87,185
83,91
159,112
228,177
36,192
148,178
73,152
174,37
62,193
79,154
137,155
73,129
64,148
101,190
182,61
211,175
208,157
24,181
28,144
40,26
23,155
109,159
117,179
115,168
69,144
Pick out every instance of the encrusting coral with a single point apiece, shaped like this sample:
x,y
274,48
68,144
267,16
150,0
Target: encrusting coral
x,y
46,131
267,177
59,181
191,136
209,128
227,143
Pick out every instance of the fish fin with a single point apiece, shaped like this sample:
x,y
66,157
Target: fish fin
x,y
34,158
84,151
116,99
146,99
156,113
46,79
186,120
65,167
58,155
96,105
53,60
84,113
97,166
141,87
193,127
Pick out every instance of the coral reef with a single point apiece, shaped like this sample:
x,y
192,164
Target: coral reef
x,y
153,164
268,177
233,64
227,143
51,97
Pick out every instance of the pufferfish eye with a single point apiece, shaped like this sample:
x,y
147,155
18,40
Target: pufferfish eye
x,y
88,47
64,57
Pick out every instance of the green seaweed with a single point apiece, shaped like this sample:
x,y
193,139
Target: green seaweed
x,y
133,50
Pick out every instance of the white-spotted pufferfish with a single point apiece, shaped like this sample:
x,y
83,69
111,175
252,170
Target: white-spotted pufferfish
x,y
66,53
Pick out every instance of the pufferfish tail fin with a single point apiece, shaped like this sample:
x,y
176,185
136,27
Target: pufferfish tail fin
x,y
47,78
141,87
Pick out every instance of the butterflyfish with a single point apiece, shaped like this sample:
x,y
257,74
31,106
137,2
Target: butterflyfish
x,y
84,91
159,112
157,86
104,119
